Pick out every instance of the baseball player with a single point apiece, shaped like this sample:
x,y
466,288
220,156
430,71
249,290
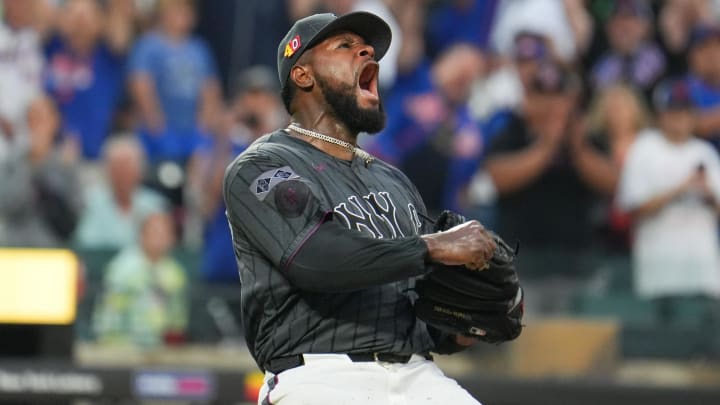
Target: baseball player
x,y
330,240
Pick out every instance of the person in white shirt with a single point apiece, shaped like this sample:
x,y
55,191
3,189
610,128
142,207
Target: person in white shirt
x,y
671,185
21,64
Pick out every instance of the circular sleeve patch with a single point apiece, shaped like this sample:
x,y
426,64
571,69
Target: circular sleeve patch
x,y
291,197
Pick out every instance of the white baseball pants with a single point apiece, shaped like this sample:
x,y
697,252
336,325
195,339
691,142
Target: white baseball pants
x,y
334,379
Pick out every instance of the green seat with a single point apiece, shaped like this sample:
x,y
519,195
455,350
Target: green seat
x,y
621,306
668,341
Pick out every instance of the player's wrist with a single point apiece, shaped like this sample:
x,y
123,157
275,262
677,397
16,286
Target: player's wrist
x,y
431,246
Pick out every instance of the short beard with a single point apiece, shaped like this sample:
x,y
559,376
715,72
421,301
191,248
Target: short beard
x,y
344,106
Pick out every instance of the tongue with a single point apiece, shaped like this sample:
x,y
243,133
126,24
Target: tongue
x,y
367,92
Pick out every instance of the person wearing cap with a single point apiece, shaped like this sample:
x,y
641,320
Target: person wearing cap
x,y
433,124
542,200
704,80
633,57
503,89
670,184
255,109
329,239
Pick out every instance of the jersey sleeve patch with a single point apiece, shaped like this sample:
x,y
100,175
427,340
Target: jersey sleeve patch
x,y
265,182
291,198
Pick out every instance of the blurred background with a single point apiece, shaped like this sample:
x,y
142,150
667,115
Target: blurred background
x,y
586,130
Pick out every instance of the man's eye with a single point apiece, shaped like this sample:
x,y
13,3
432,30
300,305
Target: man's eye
x,y
344,45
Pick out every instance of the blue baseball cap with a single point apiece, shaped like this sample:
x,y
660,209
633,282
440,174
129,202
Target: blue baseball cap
x,y
672,94
309,31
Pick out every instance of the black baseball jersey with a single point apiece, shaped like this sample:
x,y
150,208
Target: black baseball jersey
x,y
327,249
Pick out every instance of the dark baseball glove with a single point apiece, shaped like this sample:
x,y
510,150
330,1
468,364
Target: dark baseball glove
x,y
486,304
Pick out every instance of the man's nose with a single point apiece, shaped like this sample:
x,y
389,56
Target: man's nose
x,y
367,50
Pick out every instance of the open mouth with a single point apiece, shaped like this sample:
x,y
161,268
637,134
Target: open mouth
x,y
367,81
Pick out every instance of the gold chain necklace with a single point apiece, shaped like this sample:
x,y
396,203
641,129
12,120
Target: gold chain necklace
x,y
366,157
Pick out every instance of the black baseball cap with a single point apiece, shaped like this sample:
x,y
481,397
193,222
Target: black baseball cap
x,y
309,31
672,94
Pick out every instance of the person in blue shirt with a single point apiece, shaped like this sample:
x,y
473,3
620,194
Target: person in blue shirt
x,y
704,81
429,122
456,21
254,111
174,83
633,56
85,71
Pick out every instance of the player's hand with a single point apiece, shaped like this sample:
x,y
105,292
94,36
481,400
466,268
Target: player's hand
x,y
468,244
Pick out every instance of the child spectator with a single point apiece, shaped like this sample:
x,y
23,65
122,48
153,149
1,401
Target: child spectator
x,y
144,300
671,186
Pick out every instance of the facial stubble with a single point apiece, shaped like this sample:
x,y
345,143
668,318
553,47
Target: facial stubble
x,y
343,104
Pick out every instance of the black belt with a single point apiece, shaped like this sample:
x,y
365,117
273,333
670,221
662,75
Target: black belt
x,y
280,364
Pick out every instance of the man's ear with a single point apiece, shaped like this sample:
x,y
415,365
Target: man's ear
x,y
302,76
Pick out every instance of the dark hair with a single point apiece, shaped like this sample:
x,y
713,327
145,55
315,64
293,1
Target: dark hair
x,y
287,94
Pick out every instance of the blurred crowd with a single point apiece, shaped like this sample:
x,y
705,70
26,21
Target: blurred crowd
x,y
573,127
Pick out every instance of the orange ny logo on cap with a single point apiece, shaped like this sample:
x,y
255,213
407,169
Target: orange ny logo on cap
x,y
292,46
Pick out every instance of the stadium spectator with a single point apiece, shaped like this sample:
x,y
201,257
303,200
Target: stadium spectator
x,y
113,208
174,84
21,64
675,24
144,299
704,80
671,186
455,21
617,114
39,204
567,25
504,88
432,123
542,200
632,56
84,73
256,109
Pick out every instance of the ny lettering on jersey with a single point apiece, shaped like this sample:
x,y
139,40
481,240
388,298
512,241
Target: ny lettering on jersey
x,y
375,214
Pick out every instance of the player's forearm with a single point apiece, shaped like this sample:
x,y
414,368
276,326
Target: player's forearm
x,y
335,259
513,171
